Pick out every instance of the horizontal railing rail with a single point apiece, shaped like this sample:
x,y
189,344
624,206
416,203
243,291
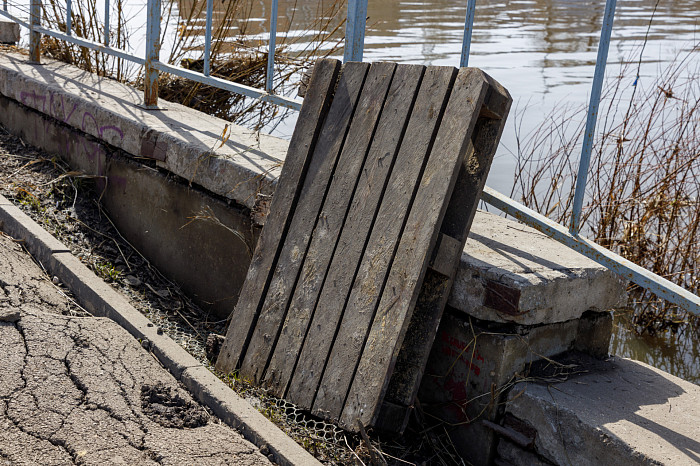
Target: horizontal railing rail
x,y
354,45
153,66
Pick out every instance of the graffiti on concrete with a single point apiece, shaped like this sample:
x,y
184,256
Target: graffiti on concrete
x,y
58,109
70,114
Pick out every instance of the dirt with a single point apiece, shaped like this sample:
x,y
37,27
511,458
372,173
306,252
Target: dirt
x,y
169,408
66,204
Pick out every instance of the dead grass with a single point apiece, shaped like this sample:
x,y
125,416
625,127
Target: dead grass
x,y
643,194
236,55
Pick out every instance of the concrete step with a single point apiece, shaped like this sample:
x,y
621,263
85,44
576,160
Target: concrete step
x,y
623,413
9,32
512,273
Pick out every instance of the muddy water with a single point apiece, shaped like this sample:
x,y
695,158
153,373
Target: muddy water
x,y
676,354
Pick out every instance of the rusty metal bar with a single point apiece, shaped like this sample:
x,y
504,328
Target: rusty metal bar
x,y
15,19
293,104
34,34
658,285
589,134
98,46
355,30
150,79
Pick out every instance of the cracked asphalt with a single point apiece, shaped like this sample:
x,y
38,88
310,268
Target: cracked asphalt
x,y
76,389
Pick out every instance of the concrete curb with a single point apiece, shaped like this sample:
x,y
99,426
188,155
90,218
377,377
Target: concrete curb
x,y
101,300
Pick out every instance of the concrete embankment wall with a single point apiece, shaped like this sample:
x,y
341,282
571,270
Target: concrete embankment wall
x,y
193,203
155,212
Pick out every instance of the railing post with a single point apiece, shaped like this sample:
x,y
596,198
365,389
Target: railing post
x,y
69,17
207,37
589,134
106,28
34,36
150,81
271,47
355,30
468,30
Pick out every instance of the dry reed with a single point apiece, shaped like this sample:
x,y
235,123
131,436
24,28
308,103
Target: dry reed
x,y
236,54
87,23
643,193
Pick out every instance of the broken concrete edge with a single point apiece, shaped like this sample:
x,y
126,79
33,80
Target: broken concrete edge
x,y
224,158
556,284
98,298
512,273
624,412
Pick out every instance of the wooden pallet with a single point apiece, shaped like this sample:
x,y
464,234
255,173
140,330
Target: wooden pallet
x,y
368,222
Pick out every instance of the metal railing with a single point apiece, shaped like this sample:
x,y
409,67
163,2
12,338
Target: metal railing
x,y
570,237
354,45
152,65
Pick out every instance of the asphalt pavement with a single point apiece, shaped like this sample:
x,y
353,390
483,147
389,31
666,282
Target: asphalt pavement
x,y
77,389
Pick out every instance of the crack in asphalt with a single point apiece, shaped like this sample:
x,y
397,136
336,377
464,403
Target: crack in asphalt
x,y
71,388
16,422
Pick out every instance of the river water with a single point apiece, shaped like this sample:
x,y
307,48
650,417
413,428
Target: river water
x,y
542,51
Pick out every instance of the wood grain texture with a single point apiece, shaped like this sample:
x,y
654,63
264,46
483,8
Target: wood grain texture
x,y
311,118
371,185
380,250
413,356
354,267
328,228
295,243
407,272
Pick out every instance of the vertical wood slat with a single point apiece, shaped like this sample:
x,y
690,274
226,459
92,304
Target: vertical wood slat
x,y
311,117
315,185
354,247
422,329
349,251
329,227
380,250
403,284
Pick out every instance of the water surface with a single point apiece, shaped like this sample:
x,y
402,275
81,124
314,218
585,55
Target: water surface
x,y
542,51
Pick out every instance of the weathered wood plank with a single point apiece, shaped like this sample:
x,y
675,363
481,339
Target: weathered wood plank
x,y
425,320
311,118
328,228
392,418
413,356
348,254
315,186
381,246
408,270
444,253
